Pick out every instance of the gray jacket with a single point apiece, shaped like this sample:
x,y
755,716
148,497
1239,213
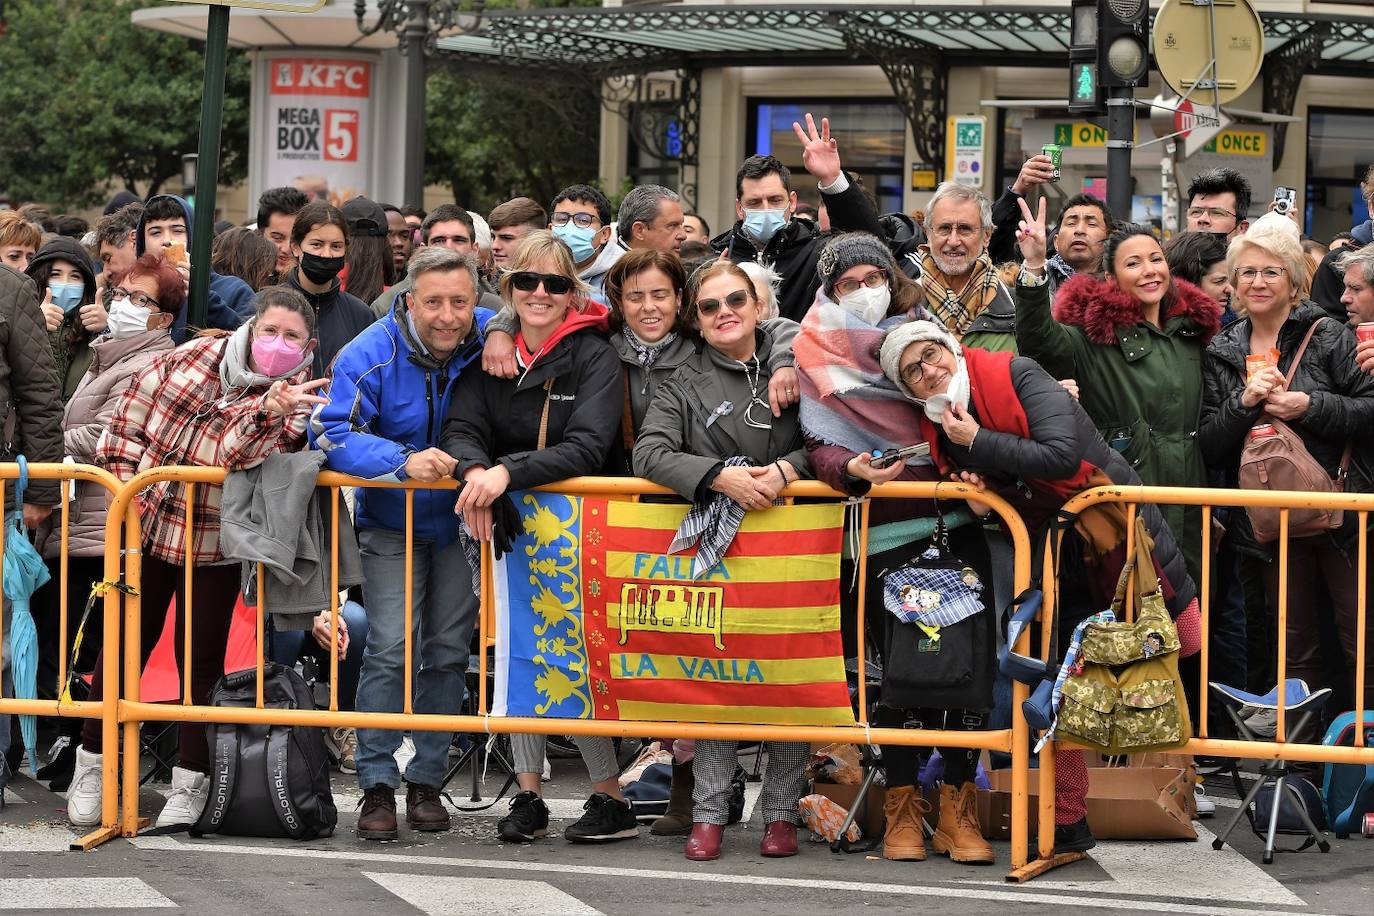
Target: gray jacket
x,y
677,449
273,514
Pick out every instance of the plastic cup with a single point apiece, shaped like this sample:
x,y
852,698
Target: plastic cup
x,y
1365,330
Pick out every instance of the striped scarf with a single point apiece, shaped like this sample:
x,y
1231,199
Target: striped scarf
x,y
956,311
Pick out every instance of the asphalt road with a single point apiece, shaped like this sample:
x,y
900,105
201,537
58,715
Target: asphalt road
x,y
468,871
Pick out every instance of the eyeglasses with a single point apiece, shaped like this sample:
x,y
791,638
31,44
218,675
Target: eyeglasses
x,y
930,356
873,280
738,301
1213,212
1270,274
962,230
580,220
142,300
527,281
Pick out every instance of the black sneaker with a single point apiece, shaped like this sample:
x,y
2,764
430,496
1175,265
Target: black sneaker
x,y
1075,837
606,820
528,818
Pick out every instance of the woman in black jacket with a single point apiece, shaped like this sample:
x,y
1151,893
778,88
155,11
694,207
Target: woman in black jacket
x,y
558,418
320,240
1330,405
1001,422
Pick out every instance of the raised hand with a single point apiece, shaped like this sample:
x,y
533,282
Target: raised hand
x,y
1038,169
1030,235
286,399
820,152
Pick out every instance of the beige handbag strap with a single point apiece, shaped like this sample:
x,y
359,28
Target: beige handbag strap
x,y
544,420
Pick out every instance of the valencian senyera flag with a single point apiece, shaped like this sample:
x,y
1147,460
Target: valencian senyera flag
x,y
595,621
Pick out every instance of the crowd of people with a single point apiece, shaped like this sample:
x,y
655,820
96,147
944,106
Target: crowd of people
x,y
1035,357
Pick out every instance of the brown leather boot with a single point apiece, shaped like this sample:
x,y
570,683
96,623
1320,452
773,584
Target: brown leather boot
x,y
905,839
957,834
424,808
677,820
378,818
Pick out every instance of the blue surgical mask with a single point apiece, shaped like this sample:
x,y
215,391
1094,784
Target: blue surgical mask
x,y
762,225
67,296
577,239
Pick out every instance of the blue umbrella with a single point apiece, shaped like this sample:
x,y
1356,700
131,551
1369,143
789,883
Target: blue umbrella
x,y
24,572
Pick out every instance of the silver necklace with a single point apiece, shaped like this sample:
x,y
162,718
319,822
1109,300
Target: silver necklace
x,y
752,379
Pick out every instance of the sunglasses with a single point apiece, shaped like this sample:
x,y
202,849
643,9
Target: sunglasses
x,y
527,281
738,301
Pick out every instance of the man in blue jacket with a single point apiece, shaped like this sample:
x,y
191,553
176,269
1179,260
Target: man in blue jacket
x,y
387,402
167,220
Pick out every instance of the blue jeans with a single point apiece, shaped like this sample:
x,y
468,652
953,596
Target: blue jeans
x,y
289,645
445,612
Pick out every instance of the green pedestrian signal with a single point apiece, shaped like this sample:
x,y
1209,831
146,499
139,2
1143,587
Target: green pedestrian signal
x,y
1084,84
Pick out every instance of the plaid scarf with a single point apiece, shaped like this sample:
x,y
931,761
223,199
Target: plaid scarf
x,y
711,526
647,354
956,311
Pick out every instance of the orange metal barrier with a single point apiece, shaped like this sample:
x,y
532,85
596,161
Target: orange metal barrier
x,y
107,708
132,712
1281,748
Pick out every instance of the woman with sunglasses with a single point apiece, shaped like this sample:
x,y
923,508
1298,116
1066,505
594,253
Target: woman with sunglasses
x,y
709,432
558,418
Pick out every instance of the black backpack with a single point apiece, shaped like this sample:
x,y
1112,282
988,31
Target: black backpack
x,y
267,780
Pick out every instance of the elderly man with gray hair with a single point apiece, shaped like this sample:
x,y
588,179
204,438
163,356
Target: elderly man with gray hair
x,y
1358,299
962,288
651,217
387,402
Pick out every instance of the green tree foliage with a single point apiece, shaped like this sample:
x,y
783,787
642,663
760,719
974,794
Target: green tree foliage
x,y
493,134
89,99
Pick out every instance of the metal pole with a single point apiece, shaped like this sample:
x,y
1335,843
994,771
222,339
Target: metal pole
x,y
207,171
1120,140
416,31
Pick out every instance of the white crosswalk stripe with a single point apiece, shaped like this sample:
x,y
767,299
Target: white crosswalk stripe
x,y
436,896
69,894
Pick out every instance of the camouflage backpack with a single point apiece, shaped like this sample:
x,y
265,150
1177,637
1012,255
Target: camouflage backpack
x,y
1126,696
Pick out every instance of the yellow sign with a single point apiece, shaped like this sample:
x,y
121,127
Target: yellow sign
x,y
1238,143
1082,134
923,177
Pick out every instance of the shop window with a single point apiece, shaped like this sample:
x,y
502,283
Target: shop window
x,y
1338,155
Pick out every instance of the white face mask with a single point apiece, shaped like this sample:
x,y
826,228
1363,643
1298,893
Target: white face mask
x,y
127,319
867,303
956,393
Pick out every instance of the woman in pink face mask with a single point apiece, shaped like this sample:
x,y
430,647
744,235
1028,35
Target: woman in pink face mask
x,y
221,400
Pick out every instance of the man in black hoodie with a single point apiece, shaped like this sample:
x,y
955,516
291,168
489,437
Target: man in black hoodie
x,y
765,203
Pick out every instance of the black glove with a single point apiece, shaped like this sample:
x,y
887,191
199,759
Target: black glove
x,y
506,525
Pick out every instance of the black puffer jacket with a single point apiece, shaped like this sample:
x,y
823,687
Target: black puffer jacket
x,y
28,386
793,252
1342,407
1061,435
493,419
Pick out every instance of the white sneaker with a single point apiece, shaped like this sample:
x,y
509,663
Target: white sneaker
x,y
190,790
1205,806
84,795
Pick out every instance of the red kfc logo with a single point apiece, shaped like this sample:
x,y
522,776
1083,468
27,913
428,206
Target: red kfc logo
x,y
299,76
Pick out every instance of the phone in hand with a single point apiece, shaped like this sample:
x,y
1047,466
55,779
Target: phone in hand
x,y
892,456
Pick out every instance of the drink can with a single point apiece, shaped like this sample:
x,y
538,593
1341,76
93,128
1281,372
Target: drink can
x,y
1365,330
1056,154
1262,430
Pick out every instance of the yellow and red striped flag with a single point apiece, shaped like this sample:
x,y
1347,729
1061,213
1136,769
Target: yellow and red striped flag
x,y
594,620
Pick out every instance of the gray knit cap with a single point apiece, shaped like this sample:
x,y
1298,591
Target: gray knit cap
x,y
903,336
850,250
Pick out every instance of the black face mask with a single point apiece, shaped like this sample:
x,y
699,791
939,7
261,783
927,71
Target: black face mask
x,y
320,270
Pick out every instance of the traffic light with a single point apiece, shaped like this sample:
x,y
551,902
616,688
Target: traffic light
x,y
1085,96
1123,43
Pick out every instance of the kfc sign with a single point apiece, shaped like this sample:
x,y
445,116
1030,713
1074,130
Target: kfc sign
x,y
345,78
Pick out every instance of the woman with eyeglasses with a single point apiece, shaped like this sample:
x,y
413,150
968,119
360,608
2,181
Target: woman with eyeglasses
x,y
558,418
710,433
142,309
1134,343
221,400
1000,422
1330,405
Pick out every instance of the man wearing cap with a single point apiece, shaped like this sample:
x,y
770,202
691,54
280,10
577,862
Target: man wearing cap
x,y
962,289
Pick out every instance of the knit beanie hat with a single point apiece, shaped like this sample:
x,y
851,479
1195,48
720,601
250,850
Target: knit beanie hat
x,y
903,336
850,250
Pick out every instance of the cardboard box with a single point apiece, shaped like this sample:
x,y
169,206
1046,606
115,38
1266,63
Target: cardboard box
x,y
1124,803
871,821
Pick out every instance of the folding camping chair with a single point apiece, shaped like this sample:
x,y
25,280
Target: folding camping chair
x,y
1253,715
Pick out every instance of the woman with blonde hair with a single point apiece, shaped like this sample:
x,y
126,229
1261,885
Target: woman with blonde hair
x,y
1329,404
558,418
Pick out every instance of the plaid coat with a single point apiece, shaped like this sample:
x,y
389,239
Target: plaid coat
x,y
175,412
